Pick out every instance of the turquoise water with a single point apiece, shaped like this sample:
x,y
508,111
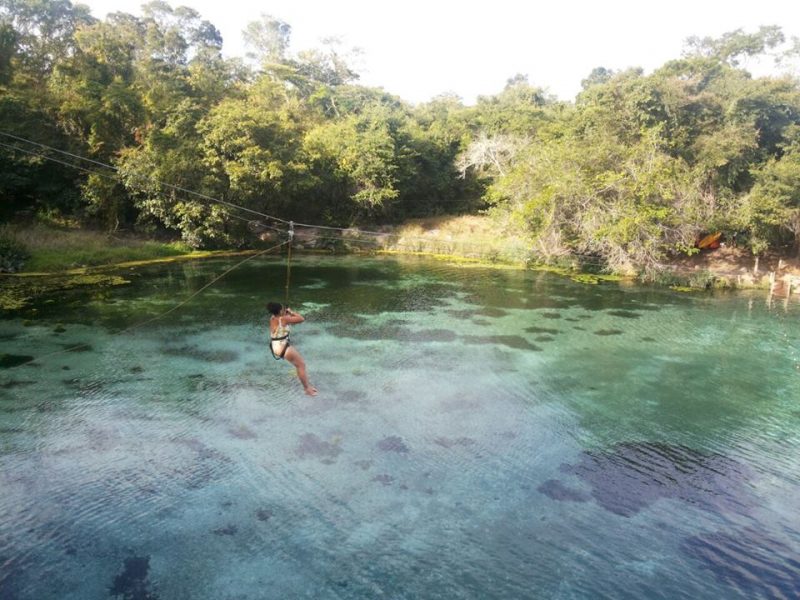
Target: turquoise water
x,y
478,434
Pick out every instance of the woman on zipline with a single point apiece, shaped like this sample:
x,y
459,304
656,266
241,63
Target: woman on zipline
x,y
279,345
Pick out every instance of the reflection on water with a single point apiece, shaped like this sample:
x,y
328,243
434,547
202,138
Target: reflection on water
x,y
478,434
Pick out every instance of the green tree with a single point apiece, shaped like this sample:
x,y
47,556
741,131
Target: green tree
x,y
361,156
771,211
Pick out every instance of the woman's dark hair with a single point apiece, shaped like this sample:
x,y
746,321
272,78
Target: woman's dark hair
x,y
275,308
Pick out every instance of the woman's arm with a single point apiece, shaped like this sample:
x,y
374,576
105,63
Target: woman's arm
x,y
292,317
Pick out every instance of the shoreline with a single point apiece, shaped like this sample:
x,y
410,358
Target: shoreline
x,y
448,239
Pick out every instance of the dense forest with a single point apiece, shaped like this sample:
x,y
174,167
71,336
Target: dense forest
x,y
636,168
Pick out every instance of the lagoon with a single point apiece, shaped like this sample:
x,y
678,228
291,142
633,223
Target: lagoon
x,y
479,433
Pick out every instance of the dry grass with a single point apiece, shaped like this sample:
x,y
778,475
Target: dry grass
x,y
57,249
468,236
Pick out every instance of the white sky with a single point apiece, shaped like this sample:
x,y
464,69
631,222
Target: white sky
x,y
419,49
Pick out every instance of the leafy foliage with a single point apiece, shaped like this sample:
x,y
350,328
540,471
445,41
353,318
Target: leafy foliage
x,y
634,170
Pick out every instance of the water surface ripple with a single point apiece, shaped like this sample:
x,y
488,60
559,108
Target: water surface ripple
x,y
479,434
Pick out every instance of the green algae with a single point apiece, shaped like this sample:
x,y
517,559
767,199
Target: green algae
x,y
19,291
466,261
461,261
585,278
13,360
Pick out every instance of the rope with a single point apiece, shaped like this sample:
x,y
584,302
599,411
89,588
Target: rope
x,y
289,263
163,314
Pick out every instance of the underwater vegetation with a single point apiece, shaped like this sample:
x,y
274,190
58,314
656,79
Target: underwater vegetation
x,y
311,445
544,330
229,530
263,514
555,489
631,476
463,442
242,432
512,341
13,360
12,383
133,583
213,356
435,335
625,314
750,561
393,443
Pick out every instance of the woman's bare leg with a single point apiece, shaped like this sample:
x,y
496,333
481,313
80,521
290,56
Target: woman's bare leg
x,y
293,356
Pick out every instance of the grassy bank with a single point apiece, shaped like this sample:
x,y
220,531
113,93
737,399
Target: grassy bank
x,y
55,249
469,236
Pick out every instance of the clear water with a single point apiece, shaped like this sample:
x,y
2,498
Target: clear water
x,y
478,434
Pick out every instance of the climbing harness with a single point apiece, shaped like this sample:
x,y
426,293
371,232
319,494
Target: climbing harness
x,y
281,336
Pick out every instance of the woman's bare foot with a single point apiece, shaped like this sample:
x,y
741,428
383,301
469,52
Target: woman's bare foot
x,y
311,390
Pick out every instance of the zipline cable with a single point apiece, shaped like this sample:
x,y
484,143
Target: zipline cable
x,y
116,169
583,257
110,176
254,225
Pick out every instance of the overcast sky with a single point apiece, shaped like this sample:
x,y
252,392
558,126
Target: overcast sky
x,y
419,49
